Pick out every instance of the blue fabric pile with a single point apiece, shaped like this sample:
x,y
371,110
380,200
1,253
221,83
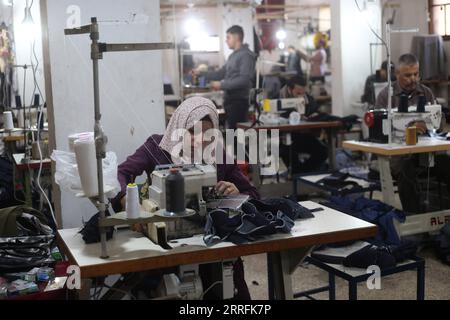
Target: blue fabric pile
x,y
259,218
386,249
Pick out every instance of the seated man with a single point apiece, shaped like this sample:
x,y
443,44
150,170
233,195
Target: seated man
x,y
408,82
406,169
381,76
303,143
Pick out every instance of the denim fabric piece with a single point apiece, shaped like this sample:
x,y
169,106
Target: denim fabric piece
x,y
375,212
258,219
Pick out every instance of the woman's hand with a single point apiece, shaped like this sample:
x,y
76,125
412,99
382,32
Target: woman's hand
x,y
224,188
123,202
421,127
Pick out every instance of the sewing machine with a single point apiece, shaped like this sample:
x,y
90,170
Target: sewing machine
x,y
199,180
376,120
272,109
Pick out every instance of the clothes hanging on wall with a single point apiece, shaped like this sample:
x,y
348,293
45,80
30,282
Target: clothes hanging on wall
x,y
6,72
430,51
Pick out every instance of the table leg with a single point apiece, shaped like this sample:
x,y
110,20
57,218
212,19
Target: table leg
x,y
332,286
332,149
27,188
353,291
281,266
84,293
421,282
387,184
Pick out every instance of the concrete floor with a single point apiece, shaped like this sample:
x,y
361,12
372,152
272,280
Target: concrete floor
x,y
400,286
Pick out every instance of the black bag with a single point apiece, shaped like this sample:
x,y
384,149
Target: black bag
x,y
26,239
91,232
24,253
6,180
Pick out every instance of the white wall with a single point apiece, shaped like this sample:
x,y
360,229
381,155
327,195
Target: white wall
x,y
409,14
350,51
242,16
130,83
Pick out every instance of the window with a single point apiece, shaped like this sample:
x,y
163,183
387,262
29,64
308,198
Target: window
x,y
440,18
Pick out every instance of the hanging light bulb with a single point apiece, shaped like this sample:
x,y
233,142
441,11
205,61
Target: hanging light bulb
x,y
28,19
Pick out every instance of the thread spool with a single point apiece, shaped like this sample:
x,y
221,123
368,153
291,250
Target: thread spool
x,y
421,102
266,105
87,165
175,203
18,102
132,202
8,123
404,104
411,136
294,118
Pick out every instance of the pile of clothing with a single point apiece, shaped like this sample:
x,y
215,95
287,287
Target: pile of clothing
x,y
258,218
26,240
443,244
386,249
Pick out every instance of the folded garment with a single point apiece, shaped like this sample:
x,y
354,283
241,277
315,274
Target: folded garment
x,y
292,209
257,219
370,256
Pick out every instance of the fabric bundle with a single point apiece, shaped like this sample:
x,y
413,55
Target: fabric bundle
x,y
259,218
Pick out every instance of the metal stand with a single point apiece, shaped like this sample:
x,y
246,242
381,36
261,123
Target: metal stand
x,y
389,31
97,50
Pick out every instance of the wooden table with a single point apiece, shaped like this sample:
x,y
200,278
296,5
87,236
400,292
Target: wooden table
x,y
330,128
414,224
133,252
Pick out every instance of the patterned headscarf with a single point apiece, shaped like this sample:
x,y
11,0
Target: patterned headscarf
x,y
186,116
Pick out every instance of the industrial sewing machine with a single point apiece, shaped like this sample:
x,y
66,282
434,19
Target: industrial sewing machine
x,y
376,120
199,180
272,109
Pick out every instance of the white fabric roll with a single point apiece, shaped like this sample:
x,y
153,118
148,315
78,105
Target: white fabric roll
x,y
87,165
294,118
76,136
132,202
8,123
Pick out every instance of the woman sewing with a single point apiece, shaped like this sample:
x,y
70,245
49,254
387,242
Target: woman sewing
x,y
159,150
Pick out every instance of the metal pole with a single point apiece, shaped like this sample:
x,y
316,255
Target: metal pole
x,y
99,136
389,71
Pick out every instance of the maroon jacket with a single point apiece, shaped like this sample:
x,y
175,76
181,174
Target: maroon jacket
x,y
149,155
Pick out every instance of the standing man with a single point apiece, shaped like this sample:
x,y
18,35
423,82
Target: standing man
x,y
294,61
235,78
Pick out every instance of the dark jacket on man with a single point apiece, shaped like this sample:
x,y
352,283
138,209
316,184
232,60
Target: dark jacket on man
x,y
237,74
421,90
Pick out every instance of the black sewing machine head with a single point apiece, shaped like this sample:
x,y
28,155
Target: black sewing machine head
x,y
374,120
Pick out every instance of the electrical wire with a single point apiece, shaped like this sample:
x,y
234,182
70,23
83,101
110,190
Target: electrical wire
x,y
210,287
372,29
40,114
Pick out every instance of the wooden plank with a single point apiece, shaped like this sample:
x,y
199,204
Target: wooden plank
x,y
290,128
210,255
131,252
424,146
